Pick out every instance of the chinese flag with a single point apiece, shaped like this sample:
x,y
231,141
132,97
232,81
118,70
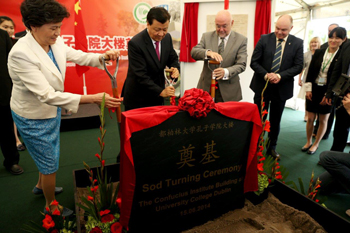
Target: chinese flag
x,y
80,36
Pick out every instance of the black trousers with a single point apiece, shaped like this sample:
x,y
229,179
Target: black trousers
x,y
276,106
341,129
7,137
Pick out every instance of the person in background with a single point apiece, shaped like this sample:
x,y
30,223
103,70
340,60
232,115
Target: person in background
x,y
37,66
330,28
317,80
331,115
150,52
277,58
314,44
227,47
336,178
7,136
8,25
342,119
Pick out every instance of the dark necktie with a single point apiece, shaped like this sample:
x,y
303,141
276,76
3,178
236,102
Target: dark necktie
x,y
157,49
277,57
222,46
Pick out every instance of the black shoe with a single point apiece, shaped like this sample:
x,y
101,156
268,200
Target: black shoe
x,y
15,169
310,152
325,137
274,154
304,149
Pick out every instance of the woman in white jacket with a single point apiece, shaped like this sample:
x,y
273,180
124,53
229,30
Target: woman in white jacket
x,y
37,66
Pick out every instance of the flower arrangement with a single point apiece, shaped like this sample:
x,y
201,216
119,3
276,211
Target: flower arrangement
x,y
268,168
101,206
53,222
196,102
313,188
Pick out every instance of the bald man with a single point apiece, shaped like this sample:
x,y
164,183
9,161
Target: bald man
x,y
330,28
227,47
279,70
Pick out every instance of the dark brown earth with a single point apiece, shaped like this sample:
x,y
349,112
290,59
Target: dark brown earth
x,y
270,216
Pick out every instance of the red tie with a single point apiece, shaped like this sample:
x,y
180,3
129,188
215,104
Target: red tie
x,y
157,49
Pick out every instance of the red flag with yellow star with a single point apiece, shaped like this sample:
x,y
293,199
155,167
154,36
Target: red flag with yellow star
x,y
80,36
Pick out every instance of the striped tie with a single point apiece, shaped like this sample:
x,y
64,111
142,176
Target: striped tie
x,y
222,46
277,57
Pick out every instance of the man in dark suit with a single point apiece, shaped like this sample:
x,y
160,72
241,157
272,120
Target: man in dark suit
x,y
7,136
150,52
277,58
232,54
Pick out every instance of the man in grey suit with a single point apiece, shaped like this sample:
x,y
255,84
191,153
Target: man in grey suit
x,y
227,47
277,58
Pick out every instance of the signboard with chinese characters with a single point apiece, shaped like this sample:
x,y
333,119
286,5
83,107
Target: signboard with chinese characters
x,y
188,171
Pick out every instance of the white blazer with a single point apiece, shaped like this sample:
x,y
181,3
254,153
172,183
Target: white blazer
x,y
38,86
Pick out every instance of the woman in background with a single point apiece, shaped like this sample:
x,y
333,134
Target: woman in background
x,y
8,25
37,66
315,43
317,80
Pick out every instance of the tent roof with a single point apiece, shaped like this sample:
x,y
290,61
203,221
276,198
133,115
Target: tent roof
x,y
298,6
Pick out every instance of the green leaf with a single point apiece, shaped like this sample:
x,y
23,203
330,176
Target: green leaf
x,y
301,184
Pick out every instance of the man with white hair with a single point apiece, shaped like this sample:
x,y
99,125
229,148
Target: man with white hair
x,y
227,47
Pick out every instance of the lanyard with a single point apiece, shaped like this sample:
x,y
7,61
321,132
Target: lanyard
x,y
326,63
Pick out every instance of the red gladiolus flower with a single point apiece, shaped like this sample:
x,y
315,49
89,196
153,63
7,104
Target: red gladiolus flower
x,y
54,203
317,200
96,230
262,159
48,222
277,173
98,156
103,144
107,218
260,167
267,126
103,163
47,209
56,212
104,212
116,227
95,181
90,198
264,113
119,202
99,140
279,177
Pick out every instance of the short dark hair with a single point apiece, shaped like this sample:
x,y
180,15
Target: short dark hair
x,y
339,32
5,18
39,12
158,13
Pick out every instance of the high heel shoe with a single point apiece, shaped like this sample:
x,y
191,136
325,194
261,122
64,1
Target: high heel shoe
x,y
304,149
311,152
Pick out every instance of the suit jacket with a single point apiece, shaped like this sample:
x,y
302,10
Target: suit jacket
x,y
291,65
145,79
38,86
234,59
5,80
341,67
316,65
